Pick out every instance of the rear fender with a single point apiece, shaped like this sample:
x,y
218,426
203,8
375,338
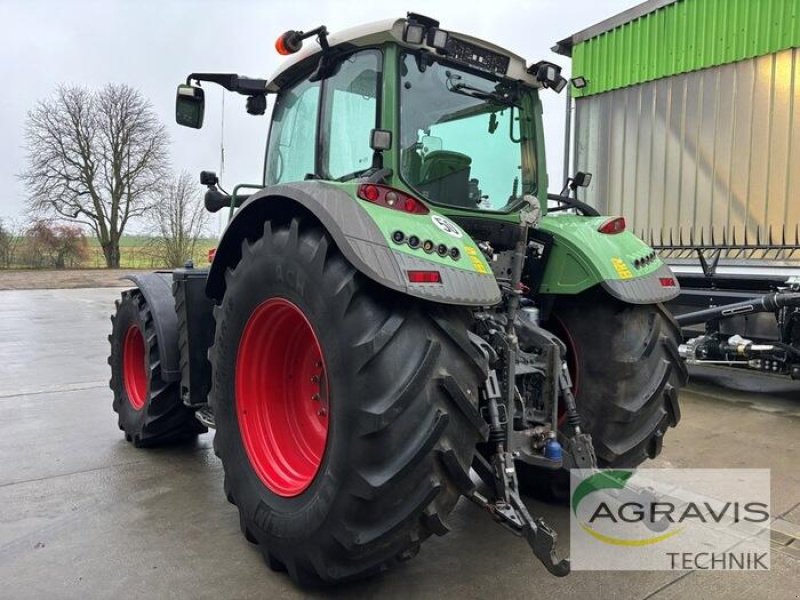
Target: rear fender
x,y
581,257
357,234
157,291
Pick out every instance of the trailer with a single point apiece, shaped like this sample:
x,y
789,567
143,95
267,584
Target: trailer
x,y
686,113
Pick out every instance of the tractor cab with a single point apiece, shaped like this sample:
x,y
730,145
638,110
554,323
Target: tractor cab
x,y
449,119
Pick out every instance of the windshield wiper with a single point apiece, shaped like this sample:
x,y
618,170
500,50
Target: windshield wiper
x,y
467,90
354,175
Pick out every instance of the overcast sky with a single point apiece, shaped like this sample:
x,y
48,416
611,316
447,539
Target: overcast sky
x,y
153,44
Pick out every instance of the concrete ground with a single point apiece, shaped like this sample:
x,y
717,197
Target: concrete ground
x,y
84,515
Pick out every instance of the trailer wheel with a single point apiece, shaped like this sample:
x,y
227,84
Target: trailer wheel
x,y
150,409
626,374
346,413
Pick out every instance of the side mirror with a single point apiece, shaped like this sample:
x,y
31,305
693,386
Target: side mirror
x,y
581,179
190,106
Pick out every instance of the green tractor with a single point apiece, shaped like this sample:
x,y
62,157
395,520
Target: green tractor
x,y
399,314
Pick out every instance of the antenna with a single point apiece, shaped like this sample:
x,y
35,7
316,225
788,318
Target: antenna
x,y
222,138
220,219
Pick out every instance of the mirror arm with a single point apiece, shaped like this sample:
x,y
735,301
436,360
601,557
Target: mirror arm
x,y
232,82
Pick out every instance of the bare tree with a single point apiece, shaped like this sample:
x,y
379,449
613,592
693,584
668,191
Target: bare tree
x,y
179,219
96,158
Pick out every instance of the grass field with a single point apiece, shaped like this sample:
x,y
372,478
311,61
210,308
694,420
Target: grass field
x,y
139,252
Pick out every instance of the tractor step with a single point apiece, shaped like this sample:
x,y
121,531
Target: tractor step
x,y
206,416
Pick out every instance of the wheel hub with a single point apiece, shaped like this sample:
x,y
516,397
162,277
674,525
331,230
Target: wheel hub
x,y
282,397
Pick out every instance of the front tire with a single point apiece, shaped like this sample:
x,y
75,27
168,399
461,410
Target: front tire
x,y
371,398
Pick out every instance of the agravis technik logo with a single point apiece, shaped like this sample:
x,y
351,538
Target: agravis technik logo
x,y
670,519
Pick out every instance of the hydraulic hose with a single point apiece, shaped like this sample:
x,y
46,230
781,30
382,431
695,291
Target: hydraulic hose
x,y
766,303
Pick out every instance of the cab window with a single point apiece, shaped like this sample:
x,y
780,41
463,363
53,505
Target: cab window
x,y
350,112
291,151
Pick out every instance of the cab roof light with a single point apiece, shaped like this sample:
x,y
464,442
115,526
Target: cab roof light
x,y
388,197
438,38
289,42
424,276
613,226
414,33
292,41
416,25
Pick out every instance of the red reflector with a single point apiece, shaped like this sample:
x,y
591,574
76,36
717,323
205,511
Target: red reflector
x,y
388,197
667,281
424,277
212,252
612,226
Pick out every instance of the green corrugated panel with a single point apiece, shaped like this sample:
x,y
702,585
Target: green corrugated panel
x,y
685,36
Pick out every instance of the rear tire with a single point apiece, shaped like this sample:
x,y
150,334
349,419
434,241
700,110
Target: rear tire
x,y
626,375
150,409
401,422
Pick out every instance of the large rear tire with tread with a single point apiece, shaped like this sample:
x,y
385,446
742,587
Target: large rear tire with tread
x,y
400,422
626,375
150,409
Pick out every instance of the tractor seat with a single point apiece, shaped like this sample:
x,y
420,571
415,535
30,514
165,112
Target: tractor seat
x,y
444,174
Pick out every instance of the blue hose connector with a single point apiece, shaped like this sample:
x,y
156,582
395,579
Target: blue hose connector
x,y
552,450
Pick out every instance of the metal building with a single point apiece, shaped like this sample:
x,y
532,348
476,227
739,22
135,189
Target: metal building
x,y
690,123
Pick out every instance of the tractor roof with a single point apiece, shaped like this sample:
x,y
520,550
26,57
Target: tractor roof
x,y
391,30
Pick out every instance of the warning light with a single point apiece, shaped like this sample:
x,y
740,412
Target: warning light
x,y
289,43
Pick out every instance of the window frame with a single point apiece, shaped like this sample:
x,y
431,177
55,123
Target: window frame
x,y
467,68
296,82
320,170
326,109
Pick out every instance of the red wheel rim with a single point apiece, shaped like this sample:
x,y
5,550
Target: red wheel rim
x,y
134,372
282,397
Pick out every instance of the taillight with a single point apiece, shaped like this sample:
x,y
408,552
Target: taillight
x,y
612,226
424,277
667,281
388,197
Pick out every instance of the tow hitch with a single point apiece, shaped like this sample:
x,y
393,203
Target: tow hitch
x,y
500,475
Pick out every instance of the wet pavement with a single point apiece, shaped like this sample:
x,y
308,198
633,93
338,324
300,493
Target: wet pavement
x,y
84,514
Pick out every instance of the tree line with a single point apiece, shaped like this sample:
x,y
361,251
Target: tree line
x,y
98,160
